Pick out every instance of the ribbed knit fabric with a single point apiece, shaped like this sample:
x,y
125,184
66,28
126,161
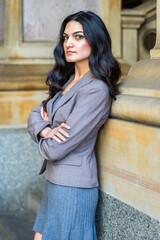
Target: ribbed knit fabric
x,y
67,213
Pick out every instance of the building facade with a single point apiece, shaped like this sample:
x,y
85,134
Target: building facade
x,y
127,147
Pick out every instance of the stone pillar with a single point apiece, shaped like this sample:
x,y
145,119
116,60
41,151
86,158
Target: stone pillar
x,y
128,145
111,14
12,30
155,52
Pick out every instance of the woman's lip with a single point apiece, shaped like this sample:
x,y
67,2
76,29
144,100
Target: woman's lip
x,y
70,52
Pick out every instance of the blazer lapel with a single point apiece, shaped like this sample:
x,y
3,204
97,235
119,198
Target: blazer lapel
x,y
86,79
49,104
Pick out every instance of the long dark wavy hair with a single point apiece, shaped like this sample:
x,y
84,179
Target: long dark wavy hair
x,y
102,63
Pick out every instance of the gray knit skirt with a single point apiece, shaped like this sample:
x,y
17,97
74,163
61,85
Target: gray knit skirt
x,y
67,213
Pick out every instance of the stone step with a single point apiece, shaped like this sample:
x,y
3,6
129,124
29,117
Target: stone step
x,y
16,225
34,201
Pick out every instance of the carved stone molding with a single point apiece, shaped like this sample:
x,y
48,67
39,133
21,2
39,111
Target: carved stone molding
x,y
138,28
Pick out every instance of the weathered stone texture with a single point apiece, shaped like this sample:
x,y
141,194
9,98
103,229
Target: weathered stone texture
x,y
42,21
20,164
118,221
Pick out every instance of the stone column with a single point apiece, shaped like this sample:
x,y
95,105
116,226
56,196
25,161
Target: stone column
x,y
155,52
128,146
12,31
111,14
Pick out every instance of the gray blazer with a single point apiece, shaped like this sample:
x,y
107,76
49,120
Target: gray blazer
x,y
85,108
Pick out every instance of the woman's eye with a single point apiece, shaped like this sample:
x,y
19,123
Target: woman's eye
x,y
79,37
65,37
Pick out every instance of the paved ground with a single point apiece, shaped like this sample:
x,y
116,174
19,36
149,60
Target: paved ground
x,y
16,226
1,238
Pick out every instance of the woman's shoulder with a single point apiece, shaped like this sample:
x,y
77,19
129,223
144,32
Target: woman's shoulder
x,y
92,85
98,84
95,89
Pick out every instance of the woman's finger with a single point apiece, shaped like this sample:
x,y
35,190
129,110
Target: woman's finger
x,y
65,125
58,133
60,136
56,139
62,131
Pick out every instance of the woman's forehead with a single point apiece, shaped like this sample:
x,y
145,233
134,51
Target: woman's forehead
x,y
73,26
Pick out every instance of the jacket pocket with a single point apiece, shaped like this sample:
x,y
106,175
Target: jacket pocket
x,y
72,159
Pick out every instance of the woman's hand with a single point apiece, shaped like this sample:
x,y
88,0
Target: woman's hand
x,y
57,133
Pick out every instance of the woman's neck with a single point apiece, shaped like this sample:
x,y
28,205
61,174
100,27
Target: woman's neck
x,y
81,68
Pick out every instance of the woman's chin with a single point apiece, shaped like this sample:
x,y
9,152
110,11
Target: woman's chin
x,y
70,60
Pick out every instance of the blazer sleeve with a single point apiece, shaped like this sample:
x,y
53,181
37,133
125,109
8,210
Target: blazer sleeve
x,y
36,123
90,108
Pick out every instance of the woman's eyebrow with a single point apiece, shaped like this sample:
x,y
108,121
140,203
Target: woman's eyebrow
x,y
74,32
77,32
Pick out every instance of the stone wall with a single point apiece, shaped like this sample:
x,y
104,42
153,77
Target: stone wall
x,y
116,220
128,145
20,164
41,21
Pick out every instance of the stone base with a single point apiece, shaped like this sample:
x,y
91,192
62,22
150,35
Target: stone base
x,y
116,220
20,164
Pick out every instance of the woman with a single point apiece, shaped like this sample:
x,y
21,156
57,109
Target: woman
x,y
65,126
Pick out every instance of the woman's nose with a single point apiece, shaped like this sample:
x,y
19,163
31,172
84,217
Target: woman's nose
x,y
69,42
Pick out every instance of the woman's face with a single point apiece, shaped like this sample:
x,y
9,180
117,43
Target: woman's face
x,y
76,47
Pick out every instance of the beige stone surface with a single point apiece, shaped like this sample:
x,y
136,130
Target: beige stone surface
x,y
140,94
42,21
143,77
15,106
32,38
15,50
23,76
155,53
111,14
1,20
158,25
145,110
130,47
128,158
128,149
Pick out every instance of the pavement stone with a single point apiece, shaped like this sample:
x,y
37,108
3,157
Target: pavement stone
x,y
16,225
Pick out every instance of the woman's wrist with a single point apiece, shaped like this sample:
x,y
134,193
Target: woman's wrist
x,y
45,132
